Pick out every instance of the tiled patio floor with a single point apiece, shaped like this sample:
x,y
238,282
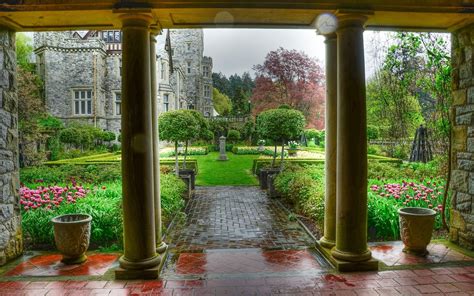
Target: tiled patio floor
x,y
435,281
50,265
391,254
238,242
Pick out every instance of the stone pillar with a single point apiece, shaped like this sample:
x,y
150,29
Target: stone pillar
x,y
351,192
11,243
329,238
462,164
140,259
222,152
160,245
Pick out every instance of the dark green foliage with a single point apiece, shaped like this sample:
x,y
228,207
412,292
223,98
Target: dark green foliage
x,y
178,126
233,136
107,136
92,174
238,89
280,125
303,186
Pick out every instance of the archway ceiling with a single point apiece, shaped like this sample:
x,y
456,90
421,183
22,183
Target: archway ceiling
x,y
41,15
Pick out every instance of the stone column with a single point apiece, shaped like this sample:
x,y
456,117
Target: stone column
x,y
140,259
160,245
461,230
351,192
329,238
11,239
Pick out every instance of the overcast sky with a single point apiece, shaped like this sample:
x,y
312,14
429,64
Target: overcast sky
x,y
238,50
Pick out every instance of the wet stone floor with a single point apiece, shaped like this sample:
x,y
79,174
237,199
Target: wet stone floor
x,y
236,241
235,217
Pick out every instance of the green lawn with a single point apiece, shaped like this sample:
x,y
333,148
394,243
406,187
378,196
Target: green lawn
x,y
236,171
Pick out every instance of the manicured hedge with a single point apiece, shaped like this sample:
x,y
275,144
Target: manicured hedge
x,y
261,162
115,158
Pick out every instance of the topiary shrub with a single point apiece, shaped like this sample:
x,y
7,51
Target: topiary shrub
x,y
280,125
233,136
178,126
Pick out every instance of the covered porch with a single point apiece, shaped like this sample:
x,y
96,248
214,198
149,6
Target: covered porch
x,y
345,231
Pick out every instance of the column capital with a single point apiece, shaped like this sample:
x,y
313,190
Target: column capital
x,y
137,20
330,37
352,18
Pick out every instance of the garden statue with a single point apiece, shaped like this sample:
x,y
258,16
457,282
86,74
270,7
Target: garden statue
x,y
222,154
421,148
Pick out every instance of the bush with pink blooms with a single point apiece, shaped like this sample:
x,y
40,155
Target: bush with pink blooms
x,y
387,196
50,196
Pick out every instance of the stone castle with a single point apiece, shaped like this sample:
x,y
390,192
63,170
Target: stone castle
x,y
81,71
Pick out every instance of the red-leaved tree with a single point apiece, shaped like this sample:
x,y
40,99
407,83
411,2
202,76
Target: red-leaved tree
x,y
290,77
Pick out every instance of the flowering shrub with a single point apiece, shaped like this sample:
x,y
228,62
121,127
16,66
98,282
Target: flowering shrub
x,y
386,197
50,196
293,144
413,194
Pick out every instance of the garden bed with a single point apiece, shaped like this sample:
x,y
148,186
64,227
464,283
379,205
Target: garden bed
x,y
47,192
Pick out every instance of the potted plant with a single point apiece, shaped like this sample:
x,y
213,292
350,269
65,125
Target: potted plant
x,y
293,148
278,125
261,145
72,234
202,134
416,228
179,126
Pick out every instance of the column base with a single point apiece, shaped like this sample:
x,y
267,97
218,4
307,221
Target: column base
x,y
351,257
327,243
141,274
125,273
348,266
162,249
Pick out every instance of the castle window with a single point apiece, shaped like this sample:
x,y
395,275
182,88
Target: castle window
x,y
163,71
118,103
207,91
188,46
112,36
205,71
166,102
189,67
83,102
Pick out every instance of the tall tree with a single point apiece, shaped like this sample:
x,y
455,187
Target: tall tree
x,y
221,102
290,77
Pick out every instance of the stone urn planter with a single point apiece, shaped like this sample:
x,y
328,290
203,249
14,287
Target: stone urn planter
x,y
263,176
271,191
292,151
416,228
192,176
72,234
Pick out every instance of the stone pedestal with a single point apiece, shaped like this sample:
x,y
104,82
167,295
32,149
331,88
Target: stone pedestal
x,y
222,152
140,259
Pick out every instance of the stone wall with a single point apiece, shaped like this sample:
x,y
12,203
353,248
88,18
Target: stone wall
x,y
10,221
462,183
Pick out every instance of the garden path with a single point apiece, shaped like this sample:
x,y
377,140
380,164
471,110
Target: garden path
x,y
224,217
238,230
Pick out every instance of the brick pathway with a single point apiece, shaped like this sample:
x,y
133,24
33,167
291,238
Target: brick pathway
x,y
236,217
